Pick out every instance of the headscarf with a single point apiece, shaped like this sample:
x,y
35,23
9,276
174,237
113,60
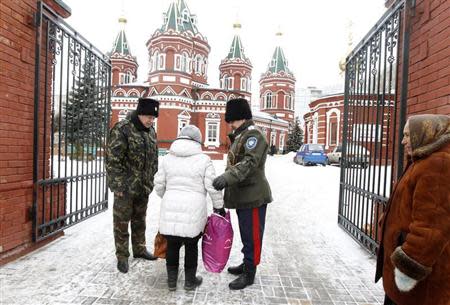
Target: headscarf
x,y
428,133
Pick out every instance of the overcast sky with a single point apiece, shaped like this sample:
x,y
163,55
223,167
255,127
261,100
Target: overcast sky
x,y
315,31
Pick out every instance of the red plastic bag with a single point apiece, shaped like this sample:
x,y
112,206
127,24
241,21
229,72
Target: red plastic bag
x,y
217,242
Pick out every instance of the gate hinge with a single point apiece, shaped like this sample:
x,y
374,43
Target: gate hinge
x,y
32,212
35,20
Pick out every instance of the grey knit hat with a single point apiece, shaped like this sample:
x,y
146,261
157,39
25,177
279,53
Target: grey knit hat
x,y
191,132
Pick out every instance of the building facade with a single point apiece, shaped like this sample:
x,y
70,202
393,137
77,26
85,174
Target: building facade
x,y
177,78
324,123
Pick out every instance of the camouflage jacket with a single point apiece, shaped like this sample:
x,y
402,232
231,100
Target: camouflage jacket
x,y
132,157
247,186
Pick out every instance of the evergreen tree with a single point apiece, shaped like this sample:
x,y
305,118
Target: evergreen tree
x,y
85,114
295,136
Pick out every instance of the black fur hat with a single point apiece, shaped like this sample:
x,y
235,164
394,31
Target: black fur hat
x,y
238,109
147,106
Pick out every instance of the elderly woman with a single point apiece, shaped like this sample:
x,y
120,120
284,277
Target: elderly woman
x,y
414,256
183,180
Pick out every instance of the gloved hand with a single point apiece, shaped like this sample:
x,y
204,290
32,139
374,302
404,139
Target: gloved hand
x,y
220,211
219,183
404,283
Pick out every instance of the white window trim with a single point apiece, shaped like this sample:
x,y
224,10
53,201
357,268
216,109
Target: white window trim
x,y
155,124
198,63
155,61
328,137
161,61
273,138
282,137
289,102
224,82
308,128
205,65
180,124
265,104
177,57
184,57
243,84
209,121
315,133
230,83
183,117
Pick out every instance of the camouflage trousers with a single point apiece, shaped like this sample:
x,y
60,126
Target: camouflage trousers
x,y
129,209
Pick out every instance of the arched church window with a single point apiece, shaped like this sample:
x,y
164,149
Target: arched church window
x,y
161,62
184,62
268,100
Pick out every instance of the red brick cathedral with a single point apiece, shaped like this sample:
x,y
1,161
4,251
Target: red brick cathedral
x,y
177,77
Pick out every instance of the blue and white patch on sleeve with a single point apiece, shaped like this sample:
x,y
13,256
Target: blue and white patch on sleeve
x,y
251,143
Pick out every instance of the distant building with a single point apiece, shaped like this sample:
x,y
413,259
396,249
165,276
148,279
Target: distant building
x,y
324,123
178,60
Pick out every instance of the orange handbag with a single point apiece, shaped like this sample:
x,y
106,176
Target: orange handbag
x,y
160,247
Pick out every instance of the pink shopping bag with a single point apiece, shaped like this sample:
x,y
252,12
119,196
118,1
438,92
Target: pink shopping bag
x,y
217,242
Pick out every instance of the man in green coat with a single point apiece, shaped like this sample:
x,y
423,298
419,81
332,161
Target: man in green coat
x,y
131,163
246,187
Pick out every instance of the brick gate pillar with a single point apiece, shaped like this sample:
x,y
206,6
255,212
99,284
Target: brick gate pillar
x,y
17,68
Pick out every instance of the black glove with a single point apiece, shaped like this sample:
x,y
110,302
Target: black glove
x,y
219,183
220,211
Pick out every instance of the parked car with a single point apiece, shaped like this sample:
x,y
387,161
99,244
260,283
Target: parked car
x,y
334,157
357,155
311,154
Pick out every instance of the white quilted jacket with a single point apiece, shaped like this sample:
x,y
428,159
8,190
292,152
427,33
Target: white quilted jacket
x,y
184,177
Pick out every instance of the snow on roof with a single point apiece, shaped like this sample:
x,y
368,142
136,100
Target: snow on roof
x,y
268,117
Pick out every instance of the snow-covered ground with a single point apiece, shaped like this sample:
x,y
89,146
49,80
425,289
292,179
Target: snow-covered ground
x,y
306,258
81,193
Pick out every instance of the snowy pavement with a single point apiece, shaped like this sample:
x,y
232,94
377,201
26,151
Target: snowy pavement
x,y
306,257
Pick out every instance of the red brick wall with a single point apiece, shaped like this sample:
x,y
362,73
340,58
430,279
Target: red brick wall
x,y
429,62
17,54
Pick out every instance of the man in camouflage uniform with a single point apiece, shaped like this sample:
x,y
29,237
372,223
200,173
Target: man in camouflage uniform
x,y
131,163
246,187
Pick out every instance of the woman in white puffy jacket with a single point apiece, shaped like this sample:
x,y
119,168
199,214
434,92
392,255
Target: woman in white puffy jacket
x,y
183,180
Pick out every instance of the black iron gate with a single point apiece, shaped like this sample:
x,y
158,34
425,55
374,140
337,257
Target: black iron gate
x,y
71,119
374,114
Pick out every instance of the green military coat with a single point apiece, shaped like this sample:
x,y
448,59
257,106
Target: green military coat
x,y
247,186
132,157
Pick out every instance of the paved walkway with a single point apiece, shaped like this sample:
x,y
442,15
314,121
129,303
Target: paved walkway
x,y
306,259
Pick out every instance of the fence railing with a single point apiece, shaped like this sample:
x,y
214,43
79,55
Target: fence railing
x,y
71,120
374,112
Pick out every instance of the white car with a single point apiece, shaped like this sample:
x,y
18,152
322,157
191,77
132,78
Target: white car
x,y
356,156
334,157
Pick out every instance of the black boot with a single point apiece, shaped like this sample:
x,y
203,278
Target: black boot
x,y
122,265
172,277
236,270
245,279
191,281
145,255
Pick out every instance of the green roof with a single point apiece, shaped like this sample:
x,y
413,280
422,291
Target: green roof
x,y
278,62
179,19
121,44
236,50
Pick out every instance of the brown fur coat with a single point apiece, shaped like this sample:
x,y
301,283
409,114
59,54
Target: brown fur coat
x,y
416,224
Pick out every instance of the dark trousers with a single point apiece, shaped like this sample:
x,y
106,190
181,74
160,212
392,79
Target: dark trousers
x,y
251,227
388,301
128,209
174,243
